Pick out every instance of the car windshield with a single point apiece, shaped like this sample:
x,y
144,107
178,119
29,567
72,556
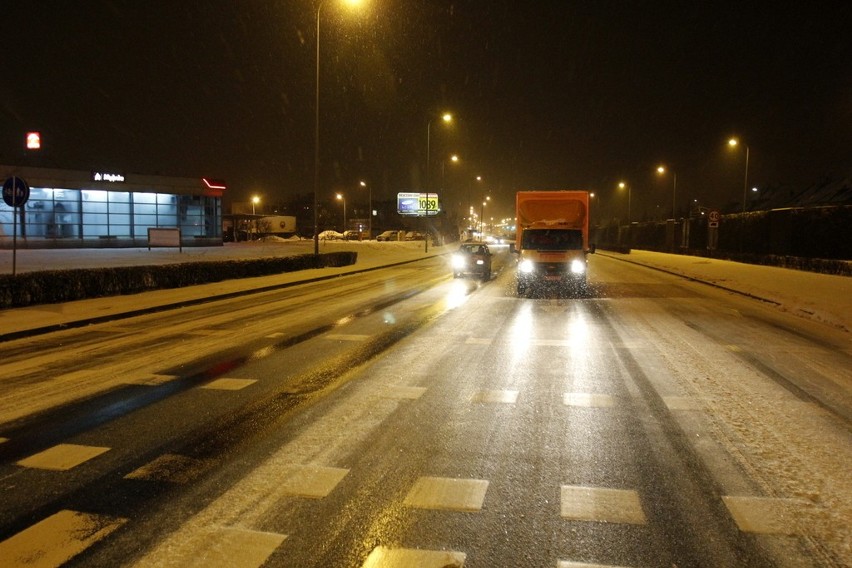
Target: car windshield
x,y
553,239
474,249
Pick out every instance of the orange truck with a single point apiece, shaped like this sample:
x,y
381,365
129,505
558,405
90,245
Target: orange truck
x,y
552,239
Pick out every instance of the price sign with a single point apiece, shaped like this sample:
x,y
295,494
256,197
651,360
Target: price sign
x,y
428,202
417,204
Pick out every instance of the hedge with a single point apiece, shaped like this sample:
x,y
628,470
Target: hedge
x,y
55,286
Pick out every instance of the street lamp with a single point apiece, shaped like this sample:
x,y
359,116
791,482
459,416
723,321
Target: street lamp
x,y
662,170
622,185
454,159
733,142
316,126
482,216
363,183
341,198
447,118
254,201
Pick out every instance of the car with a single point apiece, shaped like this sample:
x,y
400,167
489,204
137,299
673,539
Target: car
x,y
471,259
414,236
388,236
353,235
330,236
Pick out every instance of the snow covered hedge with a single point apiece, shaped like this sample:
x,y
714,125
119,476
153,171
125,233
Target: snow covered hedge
x,y
54,286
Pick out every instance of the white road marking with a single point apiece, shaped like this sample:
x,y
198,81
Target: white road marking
x,y
765,515
382,557
62,457
310,481
447,493
228,384
56,539
601,504
681,403
349,337
478,341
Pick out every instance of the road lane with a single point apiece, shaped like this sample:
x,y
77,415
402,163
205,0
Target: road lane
x,y
615,429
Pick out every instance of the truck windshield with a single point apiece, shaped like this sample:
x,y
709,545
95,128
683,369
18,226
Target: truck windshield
x,y
553,239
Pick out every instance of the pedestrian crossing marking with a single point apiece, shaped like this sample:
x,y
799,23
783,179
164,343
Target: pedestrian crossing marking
x,y
57,539
410,393
383,557
229,384
765,515
601,504
62,457
311,481
447,493
496,396
588,399
172,468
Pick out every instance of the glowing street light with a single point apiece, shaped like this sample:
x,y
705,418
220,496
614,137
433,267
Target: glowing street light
x,y
316,126
341,198
363,183
254,201
661,170
622,185
447,118
733,143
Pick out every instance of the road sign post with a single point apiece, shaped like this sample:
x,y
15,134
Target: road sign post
x,y
16,192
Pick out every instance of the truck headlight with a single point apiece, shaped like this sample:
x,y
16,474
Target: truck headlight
x,y
578,267
526,266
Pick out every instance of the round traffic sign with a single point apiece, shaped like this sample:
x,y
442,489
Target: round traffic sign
x,y
16,192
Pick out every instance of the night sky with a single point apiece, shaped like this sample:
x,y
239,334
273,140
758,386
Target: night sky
x,y
546,95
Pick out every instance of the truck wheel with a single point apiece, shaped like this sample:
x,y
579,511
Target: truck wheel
x,y
486,275
521,289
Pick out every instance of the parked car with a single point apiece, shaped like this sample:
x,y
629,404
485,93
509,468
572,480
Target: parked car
x,y
330,236
472,259
388,236
353,235
413,236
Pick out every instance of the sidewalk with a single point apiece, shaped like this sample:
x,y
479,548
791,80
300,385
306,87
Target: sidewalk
x,y
22,322
820,297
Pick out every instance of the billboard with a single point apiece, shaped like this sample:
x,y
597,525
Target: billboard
x,y
417,204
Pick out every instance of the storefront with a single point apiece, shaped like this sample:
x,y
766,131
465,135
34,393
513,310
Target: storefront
x,y
80,209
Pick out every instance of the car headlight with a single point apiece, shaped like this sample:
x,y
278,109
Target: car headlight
x,y
526,266
578,267
458,261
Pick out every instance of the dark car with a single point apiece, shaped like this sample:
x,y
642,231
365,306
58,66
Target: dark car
x,y
472,259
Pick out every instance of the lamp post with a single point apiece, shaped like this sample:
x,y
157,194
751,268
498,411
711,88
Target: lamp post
x,y
482,216
662,170
733,142
447,118
254,201
363,183
622,185
341,198
317,129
